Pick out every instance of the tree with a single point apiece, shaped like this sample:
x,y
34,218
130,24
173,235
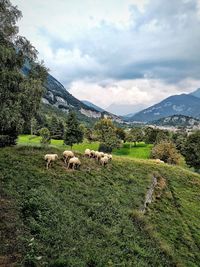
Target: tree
x,y
135,135
192,150
56,128
33,126
107,135
121,134
166,151
162,136
46,137
20,95
150,135
73,133
179,140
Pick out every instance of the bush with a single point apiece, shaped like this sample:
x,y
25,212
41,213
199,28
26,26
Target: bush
x,y
104,148
7,140
45,134
166,151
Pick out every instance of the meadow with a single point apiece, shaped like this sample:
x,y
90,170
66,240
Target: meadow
x,y
141,151
92,217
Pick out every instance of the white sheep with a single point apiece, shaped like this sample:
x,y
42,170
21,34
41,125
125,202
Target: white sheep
x,y
50,158
87,153
159,161
109,156
104,161
92,153
74,162
99,155
67,154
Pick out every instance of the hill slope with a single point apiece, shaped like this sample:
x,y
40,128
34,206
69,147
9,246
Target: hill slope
x,y
58,97
90,104
184,104
177,120
92,217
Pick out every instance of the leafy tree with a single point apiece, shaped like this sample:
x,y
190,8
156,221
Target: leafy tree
x,y
150,135
89,134
107,135
19,95
73,132
162,136
166,151
192,150
121,134
46,136
56,128
33,126
179,140
135,135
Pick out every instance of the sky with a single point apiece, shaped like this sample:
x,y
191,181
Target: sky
x,y
122,55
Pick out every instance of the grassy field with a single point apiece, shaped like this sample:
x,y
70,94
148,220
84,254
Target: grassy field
x,y
141,151
92,217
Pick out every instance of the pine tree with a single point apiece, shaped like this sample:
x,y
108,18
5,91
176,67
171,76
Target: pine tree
x,y
73,132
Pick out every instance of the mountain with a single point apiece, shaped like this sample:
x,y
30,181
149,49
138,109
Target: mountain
x,y
58,97
91,105
196,93
184,104
124,109
177,121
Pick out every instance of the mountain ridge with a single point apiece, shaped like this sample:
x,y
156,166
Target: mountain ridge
x,y
57,96
177,121
183,104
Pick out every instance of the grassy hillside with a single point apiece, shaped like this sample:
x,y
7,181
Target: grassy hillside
x,y
92,217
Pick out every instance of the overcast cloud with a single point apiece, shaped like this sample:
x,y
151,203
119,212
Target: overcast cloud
x,y
117,52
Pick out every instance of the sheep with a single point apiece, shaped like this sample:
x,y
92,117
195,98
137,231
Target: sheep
x,y
50,158
159,161
92,153
99,155
87,153
104,161
75,162
109,156
67,154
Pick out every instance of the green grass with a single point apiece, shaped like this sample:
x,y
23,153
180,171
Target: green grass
x,y
29,140
141,151
91,217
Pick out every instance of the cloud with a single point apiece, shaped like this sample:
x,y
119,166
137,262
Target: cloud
x,y
135,94
112,46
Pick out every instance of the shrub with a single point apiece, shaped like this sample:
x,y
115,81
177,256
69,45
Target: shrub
x,y
7,140
45,134
166,151
104,148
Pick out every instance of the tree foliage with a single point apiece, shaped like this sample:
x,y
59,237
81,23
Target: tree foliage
x,y
166,151
135,135
20,95
121,134
45,136
107,135
73,132
192,150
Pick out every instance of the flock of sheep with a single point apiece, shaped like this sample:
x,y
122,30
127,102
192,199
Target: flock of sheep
x,y
74,162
